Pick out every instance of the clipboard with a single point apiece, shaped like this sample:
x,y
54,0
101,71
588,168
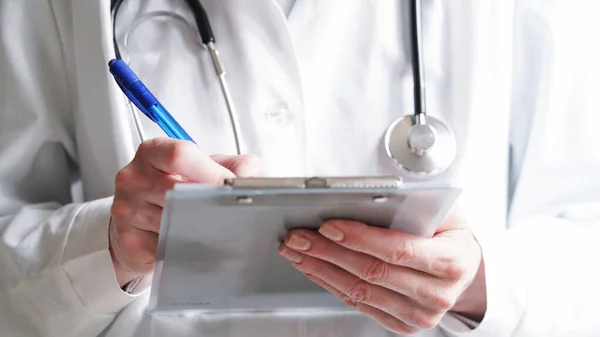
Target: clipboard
x,y
217,249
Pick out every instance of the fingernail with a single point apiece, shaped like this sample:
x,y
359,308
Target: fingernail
x,y
297,241
331,232
289,254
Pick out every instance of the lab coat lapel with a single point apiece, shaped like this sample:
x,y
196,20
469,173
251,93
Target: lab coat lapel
x,y
104,138
262,70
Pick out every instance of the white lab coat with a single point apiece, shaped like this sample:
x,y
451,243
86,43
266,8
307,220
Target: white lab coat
x,y
516,80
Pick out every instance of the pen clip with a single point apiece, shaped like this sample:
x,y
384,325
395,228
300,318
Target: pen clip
x,y
136,102
126,79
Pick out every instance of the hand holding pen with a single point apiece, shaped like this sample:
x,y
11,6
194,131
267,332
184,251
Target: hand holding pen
x,y
159,164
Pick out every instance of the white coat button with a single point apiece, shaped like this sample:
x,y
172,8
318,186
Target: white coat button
x,y
279,115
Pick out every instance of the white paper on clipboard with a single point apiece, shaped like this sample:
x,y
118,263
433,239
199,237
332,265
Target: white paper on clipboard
x,y
217,248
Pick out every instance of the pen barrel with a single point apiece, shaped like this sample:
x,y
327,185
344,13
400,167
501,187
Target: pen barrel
x,y
141,96
168,123
145,97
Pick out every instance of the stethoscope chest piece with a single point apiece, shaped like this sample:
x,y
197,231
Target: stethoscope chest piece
x,y
419,147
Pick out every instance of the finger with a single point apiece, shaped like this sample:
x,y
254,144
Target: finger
x,y
385,320
183,158
246,165
360,291
156,192
419,286
435,257
134,182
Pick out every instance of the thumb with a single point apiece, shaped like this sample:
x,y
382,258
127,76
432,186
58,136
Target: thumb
x,y
243,166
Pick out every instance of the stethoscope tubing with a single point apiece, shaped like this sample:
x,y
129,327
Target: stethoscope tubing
x,y
414,143
417,57
206,38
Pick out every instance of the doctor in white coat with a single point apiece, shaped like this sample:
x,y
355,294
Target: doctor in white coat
x,y
316,84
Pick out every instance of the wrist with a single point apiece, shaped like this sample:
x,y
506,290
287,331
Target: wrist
x,y
123,275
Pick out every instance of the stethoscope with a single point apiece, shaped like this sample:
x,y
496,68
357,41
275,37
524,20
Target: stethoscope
x,y
416,143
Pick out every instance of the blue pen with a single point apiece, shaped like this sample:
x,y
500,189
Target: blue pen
x,y
139,95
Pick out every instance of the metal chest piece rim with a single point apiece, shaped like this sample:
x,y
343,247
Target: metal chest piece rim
x,y
423,148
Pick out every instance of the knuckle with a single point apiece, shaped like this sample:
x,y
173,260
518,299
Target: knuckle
x,y
443,302
449,268
124,177
130,179
120,210
401,253
351,303
177,151
360,292
455,270
376,272
427,322
146,145
422,320
436,299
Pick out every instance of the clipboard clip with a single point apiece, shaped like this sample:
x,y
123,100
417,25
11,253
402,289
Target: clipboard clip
x,y
379,182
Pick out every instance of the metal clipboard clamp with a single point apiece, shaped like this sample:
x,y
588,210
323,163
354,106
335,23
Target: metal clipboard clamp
x,y
381,183
315,182
217,249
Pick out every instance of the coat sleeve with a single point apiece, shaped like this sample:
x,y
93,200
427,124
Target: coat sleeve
x,y
541,274
56,274
541,281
